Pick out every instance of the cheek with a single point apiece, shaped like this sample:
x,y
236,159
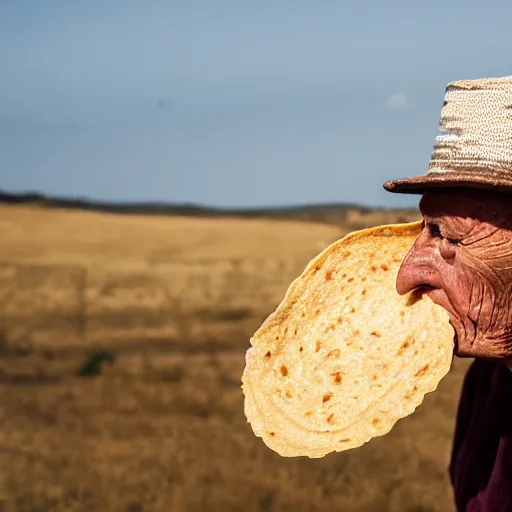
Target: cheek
x,y
459,283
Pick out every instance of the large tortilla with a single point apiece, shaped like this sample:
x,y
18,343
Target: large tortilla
x,y
344,357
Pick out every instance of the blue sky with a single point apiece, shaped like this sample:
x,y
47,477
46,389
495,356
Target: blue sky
x,y
233,103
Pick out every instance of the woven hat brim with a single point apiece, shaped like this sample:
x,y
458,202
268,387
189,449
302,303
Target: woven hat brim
x,y
487,180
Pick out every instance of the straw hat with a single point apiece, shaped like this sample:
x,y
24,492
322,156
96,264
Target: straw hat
x,y
475,146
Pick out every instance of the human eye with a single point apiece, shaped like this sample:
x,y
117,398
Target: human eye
x,y
434,229
437,231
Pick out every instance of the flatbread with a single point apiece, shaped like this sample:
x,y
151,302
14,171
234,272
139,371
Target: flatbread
x,y
344,357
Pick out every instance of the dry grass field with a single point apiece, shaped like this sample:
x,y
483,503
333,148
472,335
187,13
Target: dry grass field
x,y
159,426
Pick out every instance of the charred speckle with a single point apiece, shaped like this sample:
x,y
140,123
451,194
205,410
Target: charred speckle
x,y
403,347
422,371
337,377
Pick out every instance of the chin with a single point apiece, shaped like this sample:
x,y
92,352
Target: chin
x,y
483,348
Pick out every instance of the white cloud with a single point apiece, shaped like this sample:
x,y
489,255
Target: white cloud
x,y
397,101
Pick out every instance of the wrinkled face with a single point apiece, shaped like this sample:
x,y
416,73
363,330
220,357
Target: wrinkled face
x,y
463,259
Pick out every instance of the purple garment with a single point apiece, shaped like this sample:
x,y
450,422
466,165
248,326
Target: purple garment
x,y
481,462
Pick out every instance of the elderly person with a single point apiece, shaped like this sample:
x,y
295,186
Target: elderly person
x,y
463,261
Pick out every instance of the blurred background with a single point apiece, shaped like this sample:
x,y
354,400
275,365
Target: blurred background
x,y
167,169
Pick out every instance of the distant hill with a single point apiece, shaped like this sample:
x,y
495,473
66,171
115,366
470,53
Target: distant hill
x,y
325,212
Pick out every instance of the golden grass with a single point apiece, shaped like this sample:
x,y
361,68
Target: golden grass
x,y
162,428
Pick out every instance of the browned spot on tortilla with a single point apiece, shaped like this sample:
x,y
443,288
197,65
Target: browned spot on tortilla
x,y
308,413
374,268
288,394
375,333
402,312
363,279
284,371
384,267
356,332
363,292
374,377
334,353
397,260
326,397
344,440
330,418
317,268
375,421
330,327
343,275
328,275
317,312
277,338
268,354
337,377
350,279
295,331
318,346
422,371
301,349
340,319
272,434
372,255
352,310
405,345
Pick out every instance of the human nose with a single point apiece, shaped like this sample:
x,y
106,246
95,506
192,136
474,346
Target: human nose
x,y
417,267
